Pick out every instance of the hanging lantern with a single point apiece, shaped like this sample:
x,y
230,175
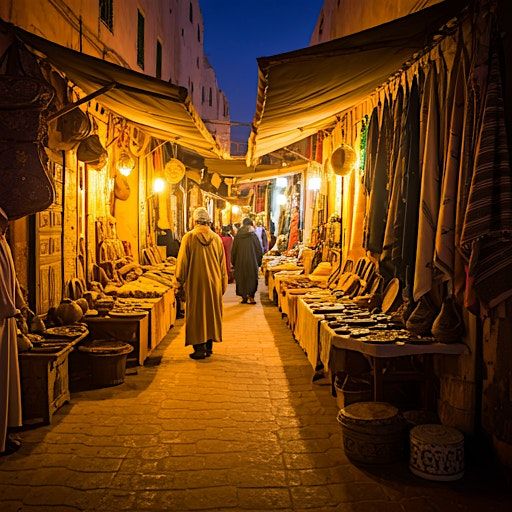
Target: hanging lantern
x,y
125,164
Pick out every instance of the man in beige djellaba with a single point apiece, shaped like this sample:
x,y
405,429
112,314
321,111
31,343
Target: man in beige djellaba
x,y
11,302
201,272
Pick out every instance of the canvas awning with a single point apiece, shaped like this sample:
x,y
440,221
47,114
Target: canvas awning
x,y
239,169
302,92
162,110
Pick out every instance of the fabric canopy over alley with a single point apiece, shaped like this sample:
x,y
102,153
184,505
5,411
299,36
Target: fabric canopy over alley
x,y
238,168
302,92
162,110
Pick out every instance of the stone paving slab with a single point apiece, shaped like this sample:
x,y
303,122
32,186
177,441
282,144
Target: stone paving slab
x,y
244,430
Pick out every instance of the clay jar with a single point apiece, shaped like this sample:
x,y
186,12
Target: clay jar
x,y
69,312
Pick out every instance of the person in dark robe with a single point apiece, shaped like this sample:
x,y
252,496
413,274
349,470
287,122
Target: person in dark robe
x,y
227,242
246,256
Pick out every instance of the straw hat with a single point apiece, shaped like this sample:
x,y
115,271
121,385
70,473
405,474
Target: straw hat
x,y
343,160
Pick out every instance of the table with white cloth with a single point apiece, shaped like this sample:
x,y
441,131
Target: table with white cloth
x,y
333,348
307,330
290,300
274,278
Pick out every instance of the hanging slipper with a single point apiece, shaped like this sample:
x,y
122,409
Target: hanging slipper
x,y
421,319
448,327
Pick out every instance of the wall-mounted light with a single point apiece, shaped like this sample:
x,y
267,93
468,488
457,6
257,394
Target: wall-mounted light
x,y
125,164
281,199
281,182
314,183
158,185
235,209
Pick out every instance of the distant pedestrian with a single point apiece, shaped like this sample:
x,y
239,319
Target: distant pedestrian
x,y
227,242
261,233
201,272
246,257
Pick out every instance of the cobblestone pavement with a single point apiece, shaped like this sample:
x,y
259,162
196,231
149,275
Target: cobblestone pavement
x,y
243,430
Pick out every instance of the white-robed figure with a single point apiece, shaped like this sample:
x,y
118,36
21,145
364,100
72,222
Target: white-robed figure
x,y
11,301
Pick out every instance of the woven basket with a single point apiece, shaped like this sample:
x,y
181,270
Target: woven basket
x,y
107,361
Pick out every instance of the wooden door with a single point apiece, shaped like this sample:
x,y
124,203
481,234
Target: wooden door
x,y
48,248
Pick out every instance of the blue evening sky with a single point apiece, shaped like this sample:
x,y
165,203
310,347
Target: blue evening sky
x,y
239,31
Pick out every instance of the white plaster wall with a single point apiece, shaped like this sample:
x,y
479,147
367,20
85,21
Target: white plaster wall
x,y
183,58
344,17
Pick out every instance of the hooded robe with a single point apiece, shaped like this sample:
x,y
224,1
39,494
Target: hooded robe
x,y
11,300
201,270
246,257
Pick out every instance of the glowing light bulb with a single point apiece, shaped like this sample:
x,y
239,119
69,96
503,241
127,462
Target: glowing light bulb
x,y
235,209
281,182
158,185
314,183
281,199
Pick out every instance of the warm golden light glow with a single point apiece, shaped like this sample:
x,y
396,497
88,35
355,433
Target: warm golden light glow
x,y
314,183
235,209
281,182
125,164
158,185
281,200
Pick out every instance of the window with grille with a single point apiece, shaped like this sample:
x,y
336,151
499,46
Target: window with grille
x,y
190,13
210,98
140,39
202,95
158,68
198,33
107,13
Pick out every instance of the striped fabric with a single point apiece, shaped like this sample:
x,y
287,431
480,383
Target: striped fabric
x,y
487,230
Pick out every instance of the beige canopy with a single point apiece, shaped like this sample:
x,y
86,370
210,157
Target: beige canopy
x,y
161,109
302,92
238,168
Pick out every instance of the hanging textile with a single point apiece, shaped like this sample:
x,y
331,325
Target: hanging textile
x,y
376,220
294,229
487,229
444,255
259,200
372,141
395,180
406,227
430,155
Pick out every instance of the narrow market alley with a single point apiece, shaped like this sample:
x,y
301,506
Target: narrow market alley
x,y
244,429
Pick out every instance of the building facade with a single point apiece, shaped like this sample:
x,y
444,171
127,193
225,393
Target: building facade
x,y
339,18
161,38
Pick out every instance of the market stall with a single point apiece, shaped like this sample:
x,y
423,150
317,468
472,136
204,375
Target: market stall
x,y
401,193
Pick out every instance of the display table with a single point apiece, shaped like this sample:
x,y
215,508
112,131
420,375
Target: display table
x,y
133,330
280,270
45,381
378,354
307,330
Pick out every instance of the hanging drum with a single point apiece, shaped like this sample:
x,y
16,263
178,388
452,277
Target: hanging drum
x,y
343,160
174,171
